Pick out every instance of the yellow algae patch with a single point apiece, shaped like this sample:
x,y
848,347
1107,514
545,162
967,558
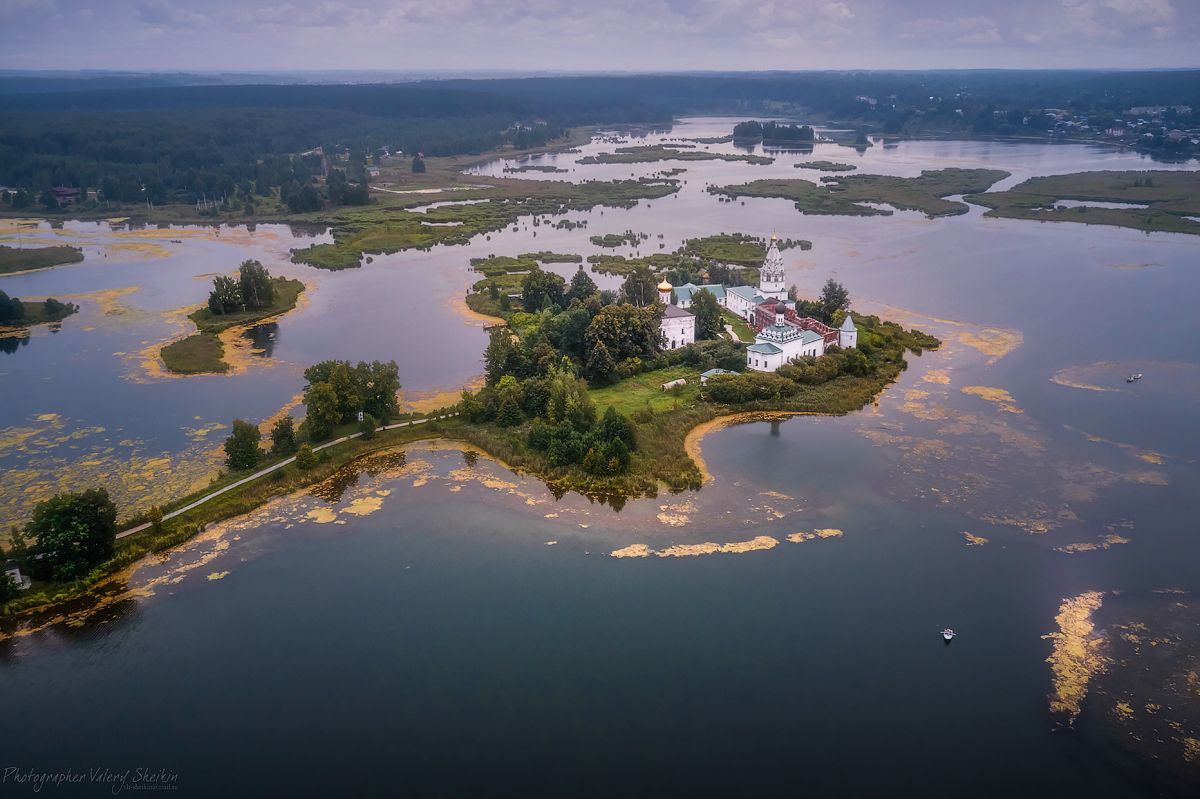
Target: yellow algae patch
x,y
995,342
1147,455
202,432
1124,711
218,576
691,550
688,550
974,540
1110,540
676,515
1191,749
147,249
47,417
996,395
823,532
265,425
939,376
691,443
776,495
1068,378
364,506
321,515
632,551
434,399
1077,655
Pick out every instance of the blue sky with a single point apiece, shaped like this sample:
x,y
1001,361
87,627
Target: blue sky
x,y
568,35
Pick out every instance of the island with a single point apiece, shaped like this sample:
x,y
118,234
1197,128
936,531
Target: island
x,y
1158,200
24,259
241,303
602,393
846,195
16,314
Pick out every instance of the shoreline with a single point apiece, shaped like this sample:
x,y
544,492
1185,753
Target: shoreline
x,y
694,437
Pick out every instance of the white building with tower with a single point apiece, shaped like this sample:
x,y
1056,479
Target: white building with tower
x,y
678,326
783,334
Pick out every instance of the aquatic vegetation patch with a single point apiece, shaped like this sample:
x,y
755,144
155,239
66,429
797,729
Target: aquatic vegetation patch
x,y
974,540
1104,542
824,532
756,544
826,166
1078,653
999,396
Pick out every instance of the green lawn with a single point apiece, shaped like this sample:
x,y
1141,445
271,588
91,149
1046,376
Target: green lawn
x,y
635,392
199,353
743,330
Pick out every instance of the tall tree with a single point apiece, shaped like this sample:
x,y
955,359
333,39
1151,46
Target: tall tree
x,y
241,448
74,532
640,287
378,383
708,314
834,297
255,283
582,285
322,411
226,296
283,436
626,331
541,289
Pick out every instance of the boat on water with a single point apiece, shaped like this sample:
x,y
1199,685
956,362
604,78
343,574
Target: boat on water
x,y
947,635
1134,378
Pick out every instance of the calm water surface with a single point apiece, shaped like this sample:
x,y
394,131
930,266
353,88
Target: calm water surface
x,y
419,634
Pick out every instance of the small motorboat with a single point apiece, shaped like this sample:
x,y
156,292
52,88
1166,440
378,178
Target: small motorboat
x,y
1134,378
948,635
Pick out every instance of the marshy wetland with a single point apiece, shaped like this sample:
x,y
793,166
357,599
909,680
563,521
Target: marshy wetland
x,y
1010,484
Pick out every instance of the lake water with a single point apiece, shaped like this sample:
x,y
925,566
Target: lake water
x,y
419,634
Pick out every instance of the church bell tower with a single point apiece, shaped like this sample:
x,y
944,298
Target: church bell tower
x,y
772,276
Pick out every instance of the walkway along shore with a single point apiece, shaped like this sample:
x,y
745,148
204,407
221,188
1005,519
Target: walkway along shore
x,y
272,468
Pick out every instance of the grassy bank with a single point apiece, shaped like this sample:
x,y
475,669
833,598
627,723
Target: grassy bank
x,y
202,352
1168,197
14,259
844,195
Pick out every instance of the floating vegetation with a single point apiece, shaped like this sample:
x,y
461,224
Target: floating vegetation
x,y
997,395
974,540
1104,542
826,166
825,532
692,550
1078,653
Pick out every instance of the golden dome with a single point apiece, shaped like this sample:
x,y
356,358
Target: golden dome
x,y
665,286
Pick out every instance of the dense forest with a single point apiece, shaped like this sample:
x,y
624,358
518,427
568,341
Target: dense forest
x,y
152,138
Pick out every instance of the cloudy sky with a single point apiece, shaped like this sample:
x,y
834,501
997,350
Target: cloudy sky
x,y
566,35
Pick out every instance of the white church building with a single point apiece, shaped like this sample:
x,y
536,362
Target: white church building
x,y
782,333
678,326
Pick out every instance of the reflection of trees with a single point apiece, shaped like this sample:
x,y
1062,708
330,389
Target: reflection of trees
x,y
10,344
262,338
